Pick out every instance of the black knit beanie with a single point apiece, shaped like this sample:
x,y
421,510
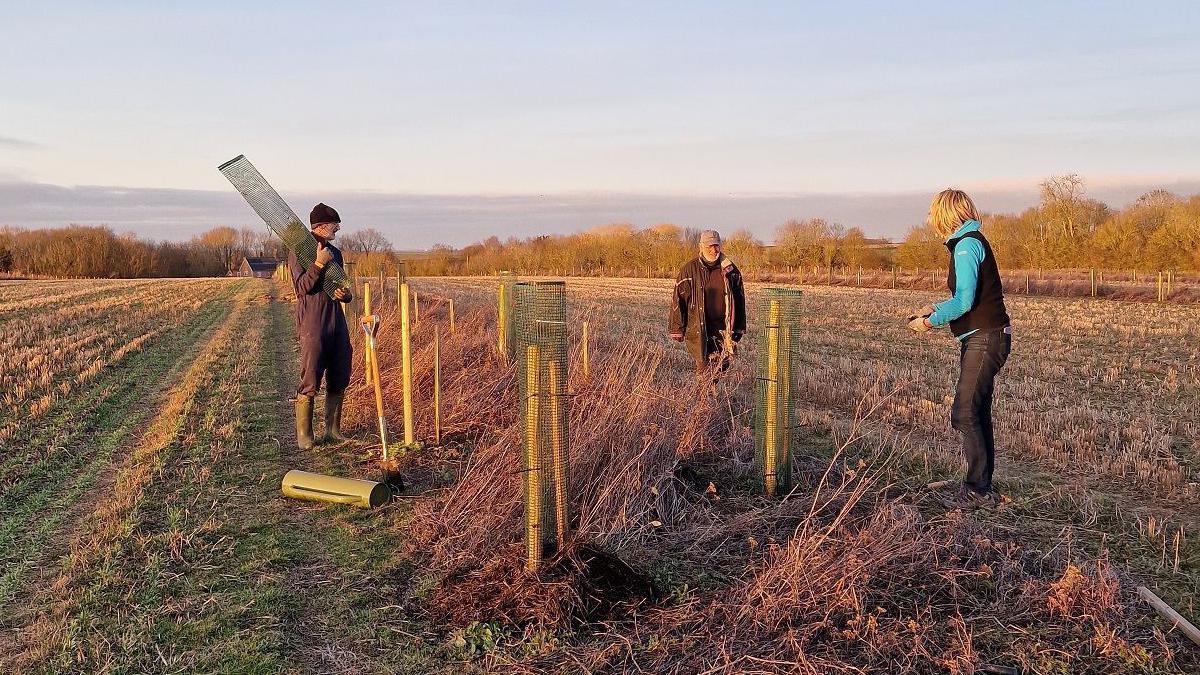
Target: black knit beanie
x,y
323,214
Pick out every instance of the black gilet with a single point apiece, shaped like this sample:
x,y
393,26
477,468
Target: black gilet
x,y
988,310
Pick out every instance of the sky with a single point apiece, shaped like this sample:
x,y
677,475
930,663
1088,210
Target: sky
x,y
449,122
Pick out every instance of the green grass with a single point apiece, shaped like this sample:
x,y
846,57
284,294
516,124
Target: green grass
x,y
259,580
82,436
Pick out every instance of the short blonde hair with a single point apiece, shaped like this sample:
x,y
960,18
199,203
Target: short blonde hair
x,y
949,210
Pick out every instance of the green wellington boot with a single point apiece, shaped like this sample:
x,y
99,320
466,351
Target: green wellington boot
x,y
333,417
304,414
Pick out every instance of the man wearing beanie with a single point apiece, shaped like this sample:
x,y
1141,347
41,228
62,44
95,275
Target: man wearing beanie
x,y
708,307
324,338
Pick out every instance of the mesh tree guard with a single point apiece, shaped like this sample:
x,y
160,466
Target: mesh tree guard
x,y
280,218
775,416
541,343
505,321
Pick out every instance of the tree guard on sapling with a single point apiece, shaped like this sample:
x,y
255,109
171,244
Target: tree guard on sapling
x,y
540,331
775,417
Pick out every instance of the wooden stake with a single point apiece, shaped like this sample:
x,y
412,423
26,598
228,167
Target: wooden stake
x,y
1169,613
770,429
559,457
437,386
451,316
406,360
1093,282
586,360
785,417
533,494
501,323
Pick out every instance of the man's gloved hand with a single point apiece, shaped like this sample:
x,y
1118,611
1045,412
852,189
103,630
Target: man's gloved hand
x,y
342,295
678,337
324,255
920,324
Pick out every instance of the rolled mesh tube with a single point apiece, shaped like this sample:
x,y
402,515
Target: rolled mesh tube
x,y
775,418
541,342
280,218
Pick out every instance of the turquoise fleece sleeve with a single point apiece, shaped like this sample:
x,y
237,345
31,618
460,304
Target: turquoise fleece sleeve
x,y
968,255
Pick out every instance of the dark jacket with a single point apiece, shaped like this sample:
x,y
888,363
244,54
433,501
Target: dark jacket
x,y
688,311
319,318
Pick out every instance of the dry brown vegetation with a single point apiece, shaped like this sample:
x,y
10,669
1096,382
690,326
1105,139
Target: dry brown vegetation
x,y
677,564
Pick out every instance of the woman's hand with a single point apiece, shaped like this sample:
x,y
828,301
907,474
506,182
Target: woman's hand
x,y
920,324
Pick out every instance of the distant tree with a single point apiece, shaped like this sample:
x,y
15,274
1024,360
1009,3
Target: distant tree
x,y
857,250
1012,239
170,259
250,243
1062,201
366,241
6,259
922,247
224,245
745,250
1066,220
803,242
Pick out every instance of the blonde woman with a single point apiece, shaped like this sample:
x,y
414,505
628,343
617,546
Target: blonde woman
x,y
978,319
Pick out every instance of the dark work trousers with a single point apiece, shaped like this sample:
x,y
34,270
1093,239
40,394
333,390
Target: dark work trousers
x,y
329,358
982,355
702,354
701,350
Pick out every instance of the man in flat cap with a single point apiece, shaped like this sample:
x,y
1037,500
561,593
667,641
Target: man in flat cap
x,y
708,306
324,337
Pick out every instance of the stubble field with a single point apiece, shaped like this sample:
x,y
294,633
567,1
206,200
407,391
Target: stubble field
x,y
148,423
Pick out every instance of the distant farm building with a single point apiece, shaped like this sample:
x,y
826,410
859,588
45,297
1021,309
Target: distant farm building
x,y
262,268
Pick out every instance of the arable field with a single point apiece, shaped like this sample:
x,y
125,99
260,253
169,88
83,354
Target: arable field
x,y
148,424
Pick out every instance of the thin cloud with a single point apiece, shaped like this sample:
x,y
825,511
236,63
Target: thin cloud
x,y
19,143
413,221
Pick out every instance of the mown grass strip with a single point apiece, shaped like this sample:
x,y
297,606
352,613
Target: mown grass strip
x,y
93,550
54,427
40,488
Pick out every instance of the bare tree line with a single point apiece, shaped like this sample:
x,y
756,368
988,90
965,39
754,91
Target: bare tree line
x,y
92,251
1066,229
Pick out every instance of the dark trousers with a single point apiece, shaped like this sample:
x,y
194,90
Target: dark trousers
x,y
982,355
702,351
329,358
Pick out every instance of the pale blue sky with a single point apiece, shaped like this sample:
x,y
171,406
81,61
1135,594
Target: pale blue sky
x,y
679,101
